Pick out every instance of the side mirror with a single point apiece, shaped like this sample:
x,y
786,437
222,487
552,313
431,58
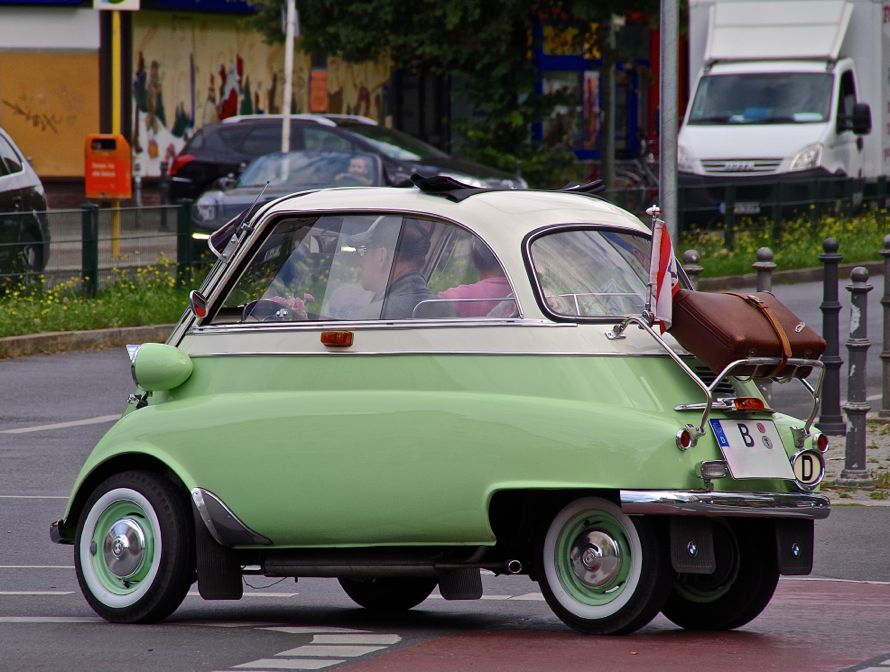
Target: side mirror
x,y
156,366
861,119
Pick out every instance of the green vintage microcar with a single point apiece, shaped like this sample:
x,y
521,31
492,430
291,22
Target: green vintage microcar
x,y
401,387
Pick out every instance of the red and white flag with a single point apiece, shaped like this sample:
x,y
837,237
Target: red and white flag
x,y
663,279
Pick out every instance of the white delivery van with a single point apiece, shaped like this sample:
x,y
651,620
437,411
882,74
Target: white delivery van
x,y
781,110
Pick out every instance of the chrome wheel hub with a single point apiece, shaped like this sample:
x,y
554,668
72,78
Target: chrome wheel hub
x,y
595,558
124,548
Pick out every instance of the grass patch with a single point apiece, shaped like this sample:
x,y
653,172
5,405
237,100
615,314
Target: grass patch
x,y
146,295
797,243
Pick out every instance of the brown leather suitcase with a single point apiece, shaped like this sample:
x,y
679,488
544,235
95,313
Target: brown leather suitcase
x,y
720,328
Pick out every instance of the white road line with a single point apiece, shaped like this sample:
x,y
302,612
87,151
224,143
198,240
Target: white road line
x,y
62,425
195,593
356,639
330,651
307,630
51,619
288,664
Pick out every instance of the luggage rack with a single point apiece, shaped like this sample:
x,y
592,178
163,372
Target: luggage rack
x,y
793,365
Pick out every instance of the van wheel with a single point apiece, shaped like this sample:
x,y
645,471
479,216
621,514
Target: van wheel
x,y
600,571
388,595
134,550
745,580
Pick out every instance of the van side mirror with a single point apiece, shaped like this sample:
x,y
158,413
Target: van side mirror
x,y
861,119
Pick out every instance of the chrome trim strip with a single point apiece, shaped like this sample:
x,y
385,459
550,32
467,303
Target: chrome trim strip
x,y
223,525
404,353
372,325
737,504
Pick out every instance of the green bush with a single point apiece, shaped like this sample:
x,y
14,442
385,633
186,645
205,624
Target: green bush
x,y
796,244
146,295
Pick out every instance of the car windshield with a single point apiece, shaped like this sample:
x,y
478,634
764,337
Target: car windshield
x,y
592,272
767,98
395,144
302,170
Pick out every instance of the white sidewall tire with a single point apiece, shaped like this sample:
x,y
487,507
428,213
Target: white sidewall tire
x,y
569,603
94,584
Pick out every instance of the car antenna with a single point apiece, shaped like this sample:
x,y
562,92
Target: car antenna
x,y
220,238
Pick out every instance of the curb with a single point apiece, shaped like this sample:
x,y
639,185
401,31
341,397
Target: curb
x,y
785,277
97,339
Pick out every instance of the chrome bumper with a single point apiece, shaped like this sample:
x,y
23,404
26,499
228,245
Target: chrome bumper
x,y
739,504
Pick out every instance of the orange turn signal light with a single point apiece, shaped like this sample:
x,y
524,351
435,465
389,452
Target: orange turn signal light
x,y
748,404
336,339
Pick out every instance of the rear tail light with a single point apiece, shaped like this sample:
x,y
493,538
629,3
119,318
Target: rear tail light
x,y
822,443
684,439
179,162
748,404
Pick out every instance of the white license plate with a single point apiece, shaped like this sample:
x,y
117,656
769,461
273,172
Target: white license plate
x,y
752,449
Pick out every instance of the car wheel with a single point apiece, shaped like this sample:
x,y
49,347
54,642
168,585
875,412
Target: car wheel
x,y
134,549
388,594
27,261
600,571
745,580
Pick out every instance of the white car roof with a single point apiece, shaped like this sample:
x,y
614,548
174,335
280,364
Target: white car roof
x,y
501,218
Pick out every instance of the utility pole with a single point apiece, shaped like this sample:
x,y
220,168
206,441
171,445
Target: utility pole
x,y
289,30
667,143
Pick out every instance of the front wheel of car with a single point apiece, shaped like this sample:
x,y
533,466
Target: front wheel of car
x,y
388,595
134,548
600,571
741,587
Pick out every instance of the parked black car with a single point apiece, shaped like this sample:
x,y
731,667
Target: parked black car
x,y
225,148
24,234
278,174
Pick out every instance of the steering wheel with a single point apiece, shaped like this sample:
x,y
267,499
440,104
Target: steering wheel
x,y
266,310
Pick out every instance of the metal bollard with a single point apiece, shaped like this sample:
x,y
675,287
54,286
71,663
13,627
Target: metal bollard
x,y
831,421
854,472
764,267
692,267
885,354
164,192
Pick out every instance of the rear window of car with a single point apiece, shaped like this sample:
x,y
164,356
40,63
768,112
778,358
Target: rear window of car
x,y
584,272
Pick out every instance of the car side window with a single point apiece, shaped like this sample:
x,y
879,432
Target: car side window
x,y
9,158
321,139
847,99
368,267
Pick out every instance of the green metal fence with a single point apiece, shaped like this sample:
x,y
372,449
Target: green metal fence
x,y
90,243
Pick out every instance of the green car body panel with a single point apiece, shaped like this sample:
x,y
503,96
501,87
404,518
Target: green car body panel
x,y
306,457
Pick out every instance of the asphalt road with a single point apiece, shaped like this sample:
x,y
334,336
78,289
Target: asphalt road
x,y
54,409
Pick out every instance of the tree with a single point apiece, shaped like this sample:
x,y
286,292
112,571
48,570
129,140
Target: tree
x,y
484,46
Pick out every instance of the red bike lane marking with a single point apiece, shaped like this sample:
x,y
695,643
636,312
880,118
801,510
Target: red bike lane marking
x,y
810,625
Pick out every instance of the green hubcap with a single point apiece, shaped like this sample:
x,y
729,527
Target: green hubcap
x,y
593,558
122,547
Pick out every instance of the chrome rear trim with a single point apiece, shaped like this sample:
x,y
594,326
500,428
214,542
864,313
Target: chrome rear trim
x,y
737,504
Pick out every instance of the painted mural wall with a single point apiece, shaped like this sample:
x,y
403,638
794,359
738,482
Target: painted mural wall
x,y
195,69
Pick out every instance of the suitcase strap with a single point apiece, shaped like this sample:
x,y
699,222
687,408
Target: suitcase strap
x,y
758,303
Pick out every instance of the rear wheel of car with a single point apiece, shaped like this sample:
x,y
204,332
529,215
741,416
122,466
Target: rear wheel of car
x,y
388,594
600,571
745,580
27,261
134,549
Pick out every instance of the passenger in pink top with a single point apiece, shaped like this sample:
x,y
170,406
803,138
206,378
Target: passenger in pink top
x,y
491,285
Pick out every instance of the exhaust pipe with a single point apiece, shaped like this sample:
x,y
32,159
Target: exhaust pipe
x,y
513,566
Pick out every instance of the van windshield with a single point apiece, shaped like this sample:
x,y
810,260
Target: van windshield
x,y
762,98
592,272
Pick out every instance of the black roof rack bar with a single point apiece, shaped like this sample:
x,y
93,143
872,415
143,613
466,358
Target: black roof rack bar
x,y
448,187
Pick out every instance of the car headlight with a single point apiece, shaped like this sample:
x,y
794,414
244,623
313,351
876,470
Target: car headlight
x,y
685,159
208,207
809,157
